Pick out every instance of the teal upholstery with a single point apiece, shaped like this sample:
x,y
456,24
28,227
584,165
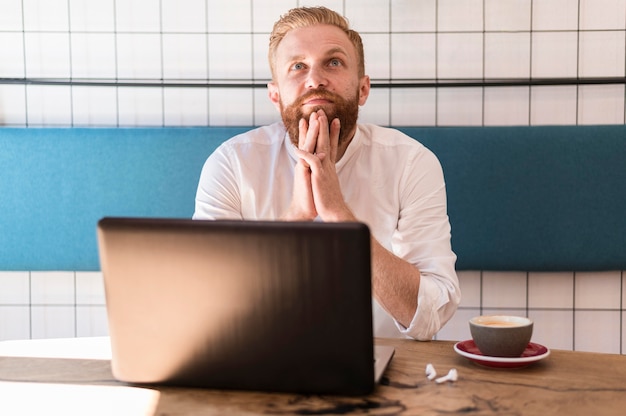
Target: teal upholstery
x,y
520,198
534,198
57,183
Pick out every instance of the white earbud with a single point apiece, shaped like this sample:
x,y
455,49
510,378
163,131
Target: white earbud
x,y
453,375
430,371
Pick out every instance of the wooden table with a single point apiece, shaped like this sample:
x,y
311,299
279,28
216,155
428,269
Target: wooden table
x,y
78,380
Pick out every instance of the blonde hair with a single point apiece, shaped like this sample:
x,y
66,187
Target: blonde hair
x,y
310,16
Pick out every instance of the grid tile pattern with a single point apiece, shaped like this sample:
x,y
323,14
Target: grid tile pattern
x,y
572,311
51,305
73,62
432,62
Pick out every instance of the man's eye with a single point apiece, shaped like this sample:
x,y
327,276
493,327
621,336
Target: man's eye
x,y
297,66
335,62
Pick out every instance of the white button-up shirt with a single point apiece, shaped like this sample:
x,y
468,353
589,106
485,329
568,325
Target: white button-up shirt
x,y
390,181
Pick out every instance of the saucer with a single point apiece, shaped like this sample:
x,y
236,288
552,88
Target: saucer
x,y
532,353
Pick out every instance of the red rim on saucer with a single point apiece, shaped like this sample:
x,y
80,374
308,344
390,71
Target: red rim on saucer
x,y
534,352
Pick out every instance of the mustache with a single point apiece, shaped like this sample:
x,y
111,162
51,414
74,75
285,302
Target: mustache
x,y
318,93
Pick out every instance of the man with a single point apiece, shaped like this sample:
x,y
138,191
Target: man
x,y
319,164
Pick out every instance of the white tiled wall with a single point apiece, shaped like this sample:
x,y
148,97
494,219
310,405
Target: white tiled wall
x,y
50,44
51,305
581,311
49,48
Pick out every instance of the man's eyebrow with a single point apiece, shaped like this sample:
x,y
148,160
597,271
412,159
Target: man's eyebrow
x,y
337,49
330,52
294,58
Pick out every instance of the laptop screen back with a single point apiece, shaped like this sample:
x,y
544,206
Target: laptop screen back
x,y
269,306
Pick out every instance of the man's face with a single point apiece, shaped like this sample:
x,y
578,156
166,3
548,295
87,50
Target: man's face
x,y
317,67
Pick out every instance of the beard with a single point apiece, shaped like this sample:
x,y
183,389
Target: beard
x,y
346,110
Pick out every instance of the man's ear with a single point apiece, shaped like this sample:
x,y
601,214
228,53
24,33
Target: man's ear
x,y
364,89
274,94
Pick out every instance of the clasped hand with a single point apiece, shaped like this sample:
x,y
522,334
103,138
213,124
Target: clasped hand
x,y
316,188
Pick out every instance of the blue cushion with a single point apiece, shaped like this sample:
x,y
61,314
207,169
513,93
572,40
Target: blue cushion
x,y
57,183
534,198
519,198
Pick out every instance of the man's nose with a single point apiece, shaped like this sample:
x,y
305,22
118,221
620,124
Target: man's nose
x,y
316,78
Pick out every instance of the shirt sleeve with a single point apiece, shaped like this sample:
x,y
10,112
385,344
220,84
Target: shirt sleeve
x,y
423,238
217,196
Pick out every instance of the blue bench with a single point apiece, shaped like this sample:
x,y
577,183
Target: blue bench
x,y
520,198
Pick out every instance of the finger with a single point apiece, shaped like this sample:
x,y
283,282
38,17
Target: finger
x,y
303,126
304,164
307,159
310,137
335,129
323,141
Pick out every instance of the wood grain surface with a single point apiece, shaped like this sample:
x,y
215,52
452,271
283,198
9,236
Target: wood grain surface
x,y
564,383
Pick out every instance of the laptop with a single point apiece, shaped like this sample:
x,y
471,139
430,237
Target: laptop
x,y
244,305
